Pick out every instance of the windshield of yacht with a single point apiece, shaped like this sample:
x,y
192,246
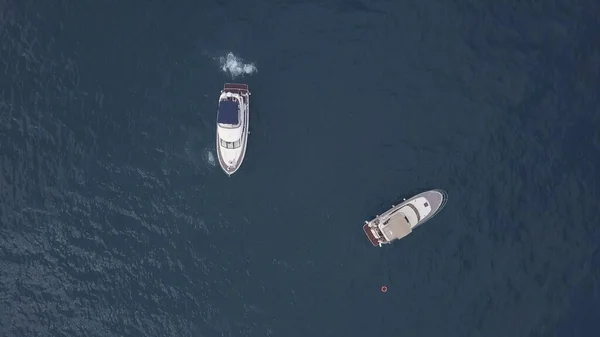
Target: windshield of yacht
x,y
228,115
230,145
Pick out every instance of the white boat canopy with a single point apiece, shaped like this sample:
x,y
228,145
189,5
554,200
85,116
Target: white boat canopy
x,y
397,227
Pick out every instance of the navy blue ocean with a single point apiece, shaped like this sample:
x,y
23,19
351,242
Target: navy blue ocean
x,y
116,219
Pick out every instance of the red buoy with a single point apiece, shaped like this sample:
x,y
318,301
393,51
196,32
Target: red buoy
x,y
383,289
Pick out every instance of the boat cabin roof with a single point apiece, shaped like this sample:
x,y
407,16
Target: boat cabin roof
x,y
228,113
397,227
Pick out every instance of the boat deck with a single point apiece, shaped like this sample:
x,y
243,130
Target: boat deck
x,y
370,235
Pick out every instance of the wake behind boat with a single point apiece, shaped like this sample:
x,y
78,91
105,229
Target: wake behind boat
x,y
232,126
400,220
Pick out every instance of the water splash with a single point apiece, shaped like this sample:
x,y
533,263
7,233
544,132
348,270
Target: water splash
x,y
235,66
209,157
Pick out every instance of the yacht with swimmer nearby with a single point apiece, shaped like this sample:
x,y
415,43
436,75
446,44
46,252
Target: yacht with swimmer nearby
x,y
400,220
232,126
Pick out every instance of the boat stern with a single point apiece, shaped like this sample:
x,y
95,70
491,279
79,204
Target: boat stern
x,y
370,235
237,88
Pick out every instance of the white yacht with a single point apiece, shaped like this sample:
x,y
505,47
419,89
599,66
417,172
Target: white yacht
x,y
232,126
400,220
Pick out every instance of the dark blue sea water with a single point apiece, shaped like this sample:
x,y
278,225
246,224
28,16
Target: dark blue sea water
x,y
115,220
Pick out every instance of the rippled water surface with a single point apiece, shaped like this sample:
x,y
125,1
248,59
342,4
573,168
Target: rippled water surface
x,y
117,221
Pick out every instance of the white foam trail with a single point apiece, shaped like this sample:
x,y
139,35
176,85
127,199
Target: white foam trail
x,y
209,157
235,66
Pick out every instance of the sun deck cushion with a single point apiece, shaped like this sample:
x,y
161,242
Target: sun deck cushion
x,y
228,113
397,227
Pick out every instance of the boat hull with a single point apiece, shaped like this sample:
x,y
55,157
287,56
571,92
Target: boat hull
x,y
242,91
434,199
